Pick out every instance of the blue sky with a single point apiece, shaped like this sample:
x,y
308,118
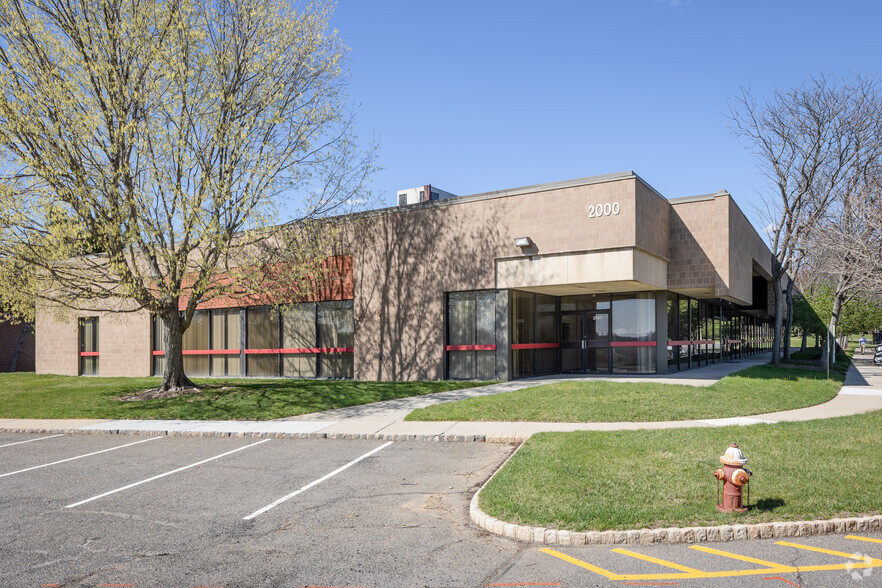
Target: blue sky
x,y
479,96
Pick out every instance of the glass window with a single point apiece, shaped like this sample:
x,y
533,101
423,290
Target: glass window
x,y
263,333
633,320
546,332
546,319
225,336
633,317
585,302
158,345
705,334
695,332
522,328
89,345
336,330
718,335
673,315
523,325
299,332
196,338
485,318
471,320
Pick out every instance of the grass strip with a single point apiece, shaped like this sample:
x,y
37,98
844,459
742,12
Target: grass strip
x,y
651,479
28,395
756,390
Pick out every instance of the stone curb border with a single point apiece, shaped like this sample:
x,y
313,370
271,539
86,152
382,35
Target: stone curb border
x,y
260,435
669,535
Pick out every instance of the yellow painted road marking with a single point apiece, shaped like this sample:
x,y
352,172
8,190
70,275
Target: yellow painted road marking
x,y
687,574
869,562
770,565
857,538
655,560
856,561
578,562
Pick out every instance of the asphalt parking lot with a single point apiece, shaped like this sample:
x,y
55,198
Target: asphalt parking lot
x,y
120,510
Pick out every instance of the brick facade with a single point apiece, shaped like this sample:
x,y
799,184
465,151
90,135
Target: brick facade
x,y
404,259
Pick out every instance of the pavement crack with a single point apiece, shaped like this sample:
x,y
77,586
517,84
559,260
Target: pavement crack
x,y
502,569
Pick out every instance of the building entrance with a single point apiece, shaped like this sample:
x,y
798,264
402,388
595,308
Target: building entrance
x,y
584,342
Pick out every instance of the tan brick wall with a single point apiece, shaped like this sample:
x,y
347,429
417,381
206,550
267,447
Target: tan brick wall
x,y
406,259
124,344
694,259
714,250
57,343
652,221
413,256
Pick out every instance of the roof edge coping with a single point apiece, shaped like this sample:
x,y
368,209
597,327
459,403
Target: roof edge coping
x,y
699,198
601,179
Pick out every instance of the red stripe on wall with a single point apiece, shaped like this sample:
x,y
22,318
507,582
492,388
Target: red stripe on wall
x,y
691,342
301,350
734,341
535,345
88,354
632,344
204,352
470,348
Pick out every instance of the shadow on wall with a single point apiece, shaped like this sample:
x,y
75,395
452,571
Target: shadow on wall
x,y
689,266
404,262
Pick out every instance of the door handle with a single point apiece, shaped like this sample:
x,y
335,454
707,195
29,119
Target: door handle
x,y
584,344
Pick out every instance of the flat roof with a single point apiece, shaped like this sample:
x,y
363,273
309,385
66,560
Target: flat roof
x,y
545,187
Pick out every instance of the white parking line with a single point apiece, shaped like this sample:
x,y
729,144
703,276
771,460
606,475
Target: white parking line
x,y
46,465
319,481
30,440
164,475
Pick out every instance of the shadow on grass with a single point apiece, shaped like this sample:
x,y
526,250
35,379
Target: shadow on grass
x,y
767,504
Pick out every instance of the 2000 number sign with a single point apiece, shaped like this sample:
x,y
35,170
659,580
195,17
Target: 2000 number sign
x,y
598,210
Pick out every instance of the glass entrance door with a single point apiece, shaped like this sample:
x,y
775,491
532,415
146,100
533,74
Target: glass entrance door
x,y
584,342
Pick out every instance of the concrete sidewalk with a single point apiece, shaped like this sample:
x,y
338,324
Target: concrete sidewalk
x,y
861,392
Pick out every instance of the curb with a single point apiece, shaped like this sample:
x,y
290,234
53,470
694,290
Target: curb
x,y
669,535
260,435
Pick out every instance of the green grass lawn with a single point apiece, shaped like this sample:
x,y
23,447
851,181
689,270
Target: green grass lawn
x,y
649,479
27,395
755,390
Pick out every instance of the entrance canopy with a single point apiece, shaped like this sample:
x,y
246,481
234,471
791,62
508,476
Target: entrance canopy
x,y
627,269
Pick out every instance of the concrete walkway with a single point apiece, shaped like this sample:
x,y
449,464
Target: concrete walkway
x,y
861,392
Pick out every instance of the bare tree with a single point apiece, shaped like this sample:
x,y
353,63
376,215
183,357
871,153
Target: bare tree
x,y
811,142
845,251
147,147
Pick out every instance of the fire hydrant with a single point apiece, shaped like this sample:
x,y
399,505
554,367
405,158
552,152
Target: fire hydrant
x,y
734,476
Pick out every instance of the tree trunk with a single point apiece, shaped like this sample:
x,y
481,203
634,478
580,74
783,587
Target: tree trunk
x,y
804,344
779,316
788,299
830,343
173,377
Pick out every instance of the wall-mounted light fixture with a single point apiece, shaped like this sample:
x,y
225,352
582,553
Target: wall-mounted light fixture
x,y
522,242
